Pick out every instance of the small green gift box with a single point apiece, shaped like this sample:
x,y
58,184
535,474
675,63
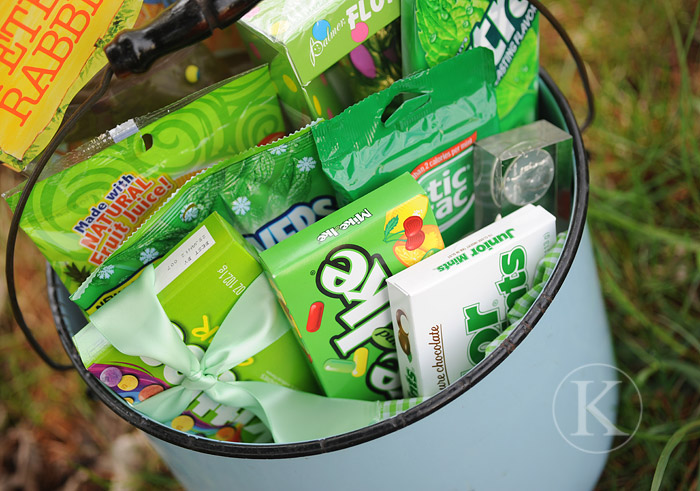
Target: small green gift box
x,y
197,283
302,41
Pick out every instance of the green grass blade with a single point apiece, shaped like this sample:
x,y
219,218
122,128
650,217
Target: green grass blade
x,y
673,442
650,231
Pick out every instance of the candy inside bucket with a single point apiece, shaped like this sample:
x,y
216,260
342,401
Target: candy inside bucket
x,y
69,320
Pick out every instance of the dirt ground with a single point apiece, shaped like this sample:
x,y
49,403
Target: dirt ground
x,y
52,434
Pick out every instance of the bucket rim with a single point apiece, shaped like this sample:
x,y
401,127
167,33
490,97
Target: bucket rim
x,y
162,432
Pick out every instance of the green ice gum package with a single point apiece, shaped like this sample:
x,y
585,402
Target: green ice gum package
x,y
81,214
278,191
431,135
435,30
267,193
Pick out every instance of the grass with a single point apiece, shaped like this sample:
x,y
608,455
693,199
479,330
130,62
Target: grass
x,y
644,214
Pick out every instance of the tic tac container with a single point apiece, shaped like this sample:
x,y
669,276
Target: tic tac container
x,y
528,164
493,429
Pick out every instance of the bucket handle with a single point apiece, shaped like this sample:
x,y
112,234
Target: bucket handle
x,y
580,65
21,203
69,123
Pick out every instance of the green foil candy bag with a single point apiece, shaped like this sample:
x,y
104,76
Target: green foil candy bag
x,y
442,111
267,193
277,192
433,31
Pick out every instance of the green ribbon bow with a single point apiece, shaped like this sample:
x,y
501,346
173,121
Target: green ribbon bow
x,y
135,323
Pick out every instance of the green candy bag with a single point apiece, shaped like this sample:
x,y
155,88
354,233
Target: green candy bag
x,y
78,216
431,135
433,31
278,191
267,194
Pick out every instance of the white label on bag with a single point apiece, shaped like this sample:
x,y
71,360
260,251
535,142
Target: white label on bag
x,y
183,257
123,131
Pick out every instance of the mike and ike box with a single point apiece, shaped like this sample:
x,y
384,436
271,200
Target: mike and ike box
x,y
331,280
447,309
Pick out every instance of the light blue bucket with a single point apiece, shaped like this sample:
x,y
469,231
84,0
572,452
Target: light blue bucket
x,y
516,421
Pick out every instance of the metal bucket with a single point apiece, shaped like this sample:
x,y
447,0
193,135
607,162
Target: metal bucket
x,y
495,428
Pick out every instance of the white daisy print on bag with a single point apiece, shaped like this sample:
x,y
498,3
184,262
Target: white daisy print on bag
x,y
148,255
305,164
241,206
105,272
189,213
279,149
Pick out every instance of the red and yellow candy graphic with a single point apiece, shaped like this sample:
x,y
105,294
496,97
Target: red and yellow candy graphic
x,y
183,422
229,434
413,239
357,367
416,206
410,249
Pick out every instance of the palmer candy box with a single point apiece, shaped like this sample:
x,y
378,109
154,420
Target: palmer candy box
x,y
331,280
447,309
302,41
197,283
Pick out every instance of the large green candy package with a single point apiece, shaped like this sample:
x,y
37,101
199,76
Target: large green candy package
x,y
267,193
331,280
441,112
198,284
80,215
433,31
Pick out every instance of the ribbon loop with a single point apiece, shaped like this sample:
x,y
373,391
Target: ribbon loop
x,y
135,323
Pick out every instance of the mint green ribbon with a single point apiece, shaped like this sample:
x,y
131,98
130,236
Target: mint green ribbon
x,y
135,323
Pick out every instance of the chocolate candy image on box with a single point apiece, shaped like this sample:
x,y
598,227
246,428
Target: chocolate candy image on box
x,y
331,280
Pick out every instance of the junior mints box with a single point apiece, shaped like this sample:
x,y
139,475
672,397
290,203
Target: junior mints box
x,y
449,307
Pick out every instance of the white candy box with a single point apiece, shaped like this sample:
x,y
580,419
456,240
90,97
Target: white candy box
x,y
450,306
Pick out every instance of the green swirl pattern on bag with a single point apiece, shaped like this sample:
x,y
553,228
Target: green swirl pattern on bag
x,y
267,193
80,215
